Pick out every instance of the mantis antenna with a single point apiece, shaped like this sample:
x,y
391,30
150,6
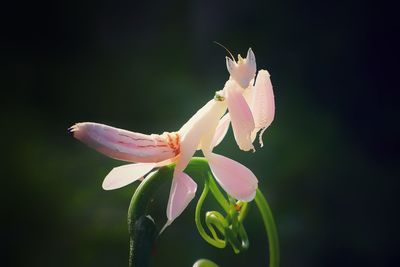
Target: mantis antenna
x,y
227,50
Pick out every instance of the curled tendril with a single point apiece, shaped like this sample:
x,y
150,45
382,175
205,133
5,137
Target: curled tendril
x,y
143,231
224,229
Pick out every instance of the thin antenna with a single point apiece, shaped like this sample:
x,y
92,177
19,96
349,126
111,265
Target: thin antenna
x,y
227,50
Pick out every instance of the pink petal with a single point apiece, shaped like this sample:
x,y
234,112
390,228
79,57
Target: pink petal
x,y
183,190
241,117
125,145
221,130
262,102
126,174
236,179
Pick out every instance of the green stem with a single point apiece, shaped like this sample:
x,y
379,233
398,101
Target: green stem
x,y
142,229
217,193
204,263
215,242
230,227
270,228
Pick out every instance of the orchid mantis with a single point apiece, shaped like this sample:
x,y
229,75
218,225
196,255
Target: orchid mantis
x,y
250,109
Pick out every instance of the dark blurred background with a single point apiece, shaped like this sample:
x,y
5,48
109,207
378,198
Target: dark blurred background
x,y
329,167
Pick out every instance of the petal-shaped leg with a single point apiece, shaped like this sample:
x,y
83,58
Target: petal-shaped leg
x,y
262,102
241,117
126,174
183,190
236,179
125,145
222,129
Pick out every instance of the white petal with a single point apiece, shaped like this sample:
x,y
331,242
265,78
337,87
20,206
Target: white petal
x,y
126,174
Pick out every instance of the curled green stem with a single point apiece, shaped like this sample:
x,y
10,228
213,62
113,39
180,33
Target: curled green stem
x,y
230,227
216,242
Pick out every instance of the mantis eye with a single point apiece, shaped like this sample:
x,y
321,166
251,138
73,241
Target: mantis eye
x,y
230,64
250,56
